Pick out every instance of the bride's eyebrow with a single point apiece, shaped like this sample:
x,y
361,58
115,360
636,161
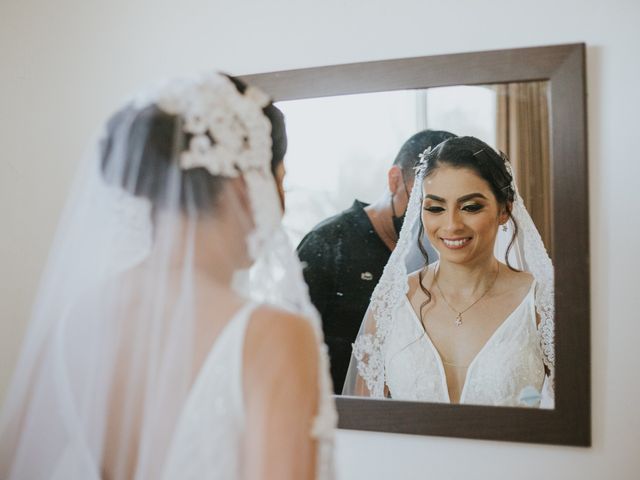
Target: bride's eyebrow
x,y
470,196
435,197
462,199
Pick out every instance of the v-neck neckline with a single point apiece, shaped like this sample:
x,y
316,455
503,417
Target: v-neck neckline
x,y
443,375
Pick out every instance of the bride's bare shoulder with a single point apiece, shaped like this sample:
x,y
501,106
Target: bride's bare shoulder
x,y
515,281
273,322
280,344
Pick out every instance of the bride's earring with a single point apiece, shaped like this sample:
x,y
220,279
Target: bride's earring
x,y
504,227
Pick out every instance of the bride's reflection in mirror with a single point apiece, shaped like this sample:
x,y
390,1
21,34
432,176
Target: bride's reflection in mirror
x,y
346,201
476,327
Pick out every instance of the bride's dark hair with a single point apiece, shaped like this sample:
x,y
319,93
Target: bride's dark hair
x,y
473,154
148,137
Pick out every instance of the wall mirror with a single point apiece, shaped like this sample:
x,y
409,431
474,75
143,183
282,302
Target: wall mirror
x,y
345,125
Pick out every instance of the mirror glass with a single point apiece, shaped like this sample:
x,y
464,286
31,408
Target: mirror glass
x,y
341,150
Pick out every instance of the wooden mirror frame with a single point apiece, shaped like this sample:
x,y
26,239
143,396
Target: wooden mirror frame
x,y
563,66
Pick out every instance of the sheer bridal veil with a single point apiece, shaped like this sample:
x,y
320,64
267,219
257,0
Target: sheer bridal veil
x,y
176,200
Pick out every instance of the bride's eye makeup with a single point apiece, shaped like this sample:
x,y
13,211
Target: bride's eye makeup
x,y
472,207
434,204
433,208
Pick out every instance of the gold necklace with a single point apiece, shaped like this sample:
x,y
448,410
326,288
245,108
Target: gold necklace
x,y
459,313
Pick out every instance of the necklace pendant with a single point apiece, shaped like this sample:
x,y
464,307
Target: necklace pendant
x,y
459,319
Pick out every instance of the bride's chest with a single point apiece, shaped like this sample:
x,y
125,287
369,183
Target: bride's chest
x,y
489,371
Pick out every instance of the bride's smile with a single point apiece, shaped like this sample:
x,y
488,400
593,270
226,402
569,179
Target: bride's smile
x,y
455,244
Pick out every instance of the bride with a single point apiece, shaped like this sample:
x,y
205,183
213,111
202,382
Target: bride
x,y
172,336
475,327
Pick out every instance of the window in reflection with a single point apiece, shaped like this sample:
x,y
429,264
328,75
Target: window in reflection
x,y
340,148
463,110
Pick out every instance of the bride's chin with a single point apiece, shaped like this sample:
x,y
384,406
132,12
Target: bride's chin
x,y
454,256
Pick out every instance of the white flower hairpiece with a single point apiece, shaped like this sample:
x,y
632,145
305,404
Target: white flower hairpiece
x,y
230,132
422,163
509,168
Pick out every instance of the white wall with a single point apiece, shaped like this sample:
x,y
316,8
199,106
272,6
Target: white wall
x,y
66,64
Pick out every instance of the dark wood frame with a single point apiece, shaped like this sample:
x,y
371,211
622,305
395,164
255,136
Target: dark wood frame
x,y
564,67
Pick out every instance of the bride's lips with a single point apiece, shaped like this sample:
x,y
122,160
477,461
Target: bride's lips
x,y
456,243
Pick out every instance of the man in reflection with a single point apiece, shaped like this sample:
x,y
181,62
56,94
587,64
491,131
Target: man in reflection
x,y
345,254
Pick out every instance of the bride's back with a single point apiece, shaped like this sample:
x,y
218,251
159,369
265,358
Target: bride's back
x,y
241,356
159,347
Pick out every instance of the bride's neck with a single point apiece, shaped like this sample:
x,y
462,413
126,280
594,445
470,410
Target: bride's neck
x,y
208,249
467,278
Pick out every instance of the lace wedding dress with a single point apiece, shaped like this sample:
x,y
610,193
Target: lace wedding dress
x,y
507,371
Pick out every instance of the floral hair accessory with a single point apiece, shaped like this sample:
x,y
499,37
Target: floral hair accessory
x,y
422,162
230,132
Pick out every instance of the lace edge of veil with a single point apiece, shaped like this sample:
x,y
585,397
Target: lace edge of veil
x,y
393,284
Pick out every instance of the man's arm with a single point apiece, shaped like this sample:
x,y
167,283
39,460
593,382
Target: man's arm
x,y
316,254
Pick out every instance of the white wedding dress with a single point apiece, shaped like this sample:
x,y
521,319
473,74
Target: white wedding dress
x,y
508,370
208,436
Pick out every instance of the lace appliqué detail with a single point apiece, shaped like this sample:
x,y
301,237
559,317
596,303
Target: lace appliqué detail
x,y
231,136
326,420
367,349
539,264
230,131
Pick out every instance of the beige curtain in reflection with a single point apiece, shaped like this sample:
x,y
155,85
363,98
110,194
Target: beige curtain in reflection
x,y
522,132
